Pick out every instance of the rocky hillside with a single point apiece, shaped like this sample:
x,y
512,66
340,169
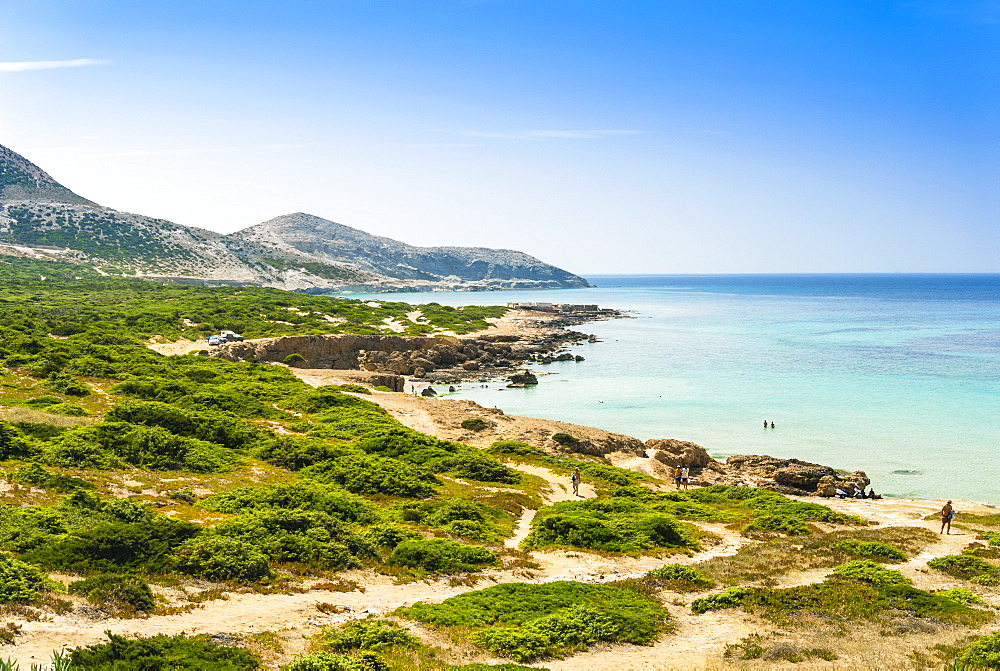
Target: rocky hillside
x,y
338,245
41,218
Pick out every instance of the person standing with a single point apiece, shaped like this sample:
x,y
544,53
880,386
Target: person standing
x,y
685,476
947,515
677,477
765,423
575,479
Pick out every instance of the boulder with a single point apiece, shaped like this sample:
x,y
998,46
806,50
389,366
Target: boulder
x,y
522,378
428,392
679,452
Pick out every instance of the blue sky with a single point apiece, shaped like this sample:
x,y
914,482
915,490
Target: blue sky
x,y
649,137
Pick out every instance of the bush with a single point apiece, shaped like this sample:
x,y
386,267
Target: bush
x,y
14,444
388,536
564,439
33,474
213,427
462,518
683,577
867,571
293,359
731,597
306,537
163,653
514,447
302,495
68,409
120,592
963,566
529,621
520,644
474,424
115,547
983,653
66,384
368,474
874,550
371,634
440,555
959,594
325,661
297,452
611,525
222,558
353,388
991,537
21,582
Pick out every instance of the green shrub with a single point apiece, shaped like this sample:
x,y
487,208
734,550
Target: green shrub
x,y
474,424
326,661
218,557
163,653
959,594
441,555
120,592
68,409
388,536
495,667
991,537
66,384
867,571
211,426
293,359
564,439
520,644
683,577
730,598
301,495
353,388
612,525
463,518
514,447
306,537
987,579
983,653
371,634
110,546
529,621
21,582
14,444
368,474
381,387
963,566
34,474
297,452
874,550
43,401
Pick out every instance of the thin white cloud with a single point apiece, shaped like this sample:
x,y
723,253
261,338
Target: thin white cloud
x,y
23,66
555,134
201,150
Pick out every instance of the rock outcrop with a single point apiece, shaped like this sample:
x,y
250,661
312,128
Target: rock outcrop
x,y
678,453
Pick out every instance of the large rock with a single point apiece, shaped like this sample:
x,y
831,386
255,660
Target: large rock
x,y
790,476
679,452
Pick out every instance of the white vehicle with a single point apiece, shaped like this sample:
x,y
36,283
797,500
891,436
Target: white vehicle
x,y
216,340
231,336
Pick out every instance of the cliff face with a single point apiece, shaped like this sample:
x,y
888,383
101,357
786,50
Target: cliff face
x,y
42,218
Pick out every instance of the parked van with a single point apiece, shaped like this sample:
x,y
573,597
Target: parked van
x,y
231,336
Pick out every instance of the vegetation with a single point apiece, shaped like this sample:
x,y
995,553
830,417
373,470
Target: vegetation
x,y
680,578
968,567
526,622
21,582
440,555
122,594
163,653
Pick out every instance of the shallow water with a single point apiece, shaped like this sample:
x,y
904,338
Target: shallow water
x,y
897,375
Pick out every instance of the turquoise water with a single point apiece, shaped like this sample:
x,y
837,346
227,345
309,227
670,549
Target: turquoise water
x,y
883,373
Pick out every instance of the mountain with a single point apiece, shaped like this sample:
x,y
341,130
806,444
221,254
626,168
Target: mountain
x,y
41,218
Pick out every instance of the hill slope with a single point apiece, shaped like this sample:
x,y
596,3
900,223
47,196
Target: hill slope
x,y
43,219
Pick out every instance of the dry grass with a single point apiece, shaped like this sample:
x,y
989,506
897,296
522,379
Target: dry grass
x,y
762,562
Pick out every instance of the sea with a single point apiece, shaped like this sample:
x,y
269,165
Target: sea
x,y
897,375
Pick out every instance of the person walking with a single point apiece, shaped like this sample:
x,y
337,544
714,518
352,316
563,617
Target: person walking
x,y
575,479
947,515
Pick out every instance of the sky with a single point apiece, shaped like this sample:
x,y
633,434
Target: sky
x,y
672,136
